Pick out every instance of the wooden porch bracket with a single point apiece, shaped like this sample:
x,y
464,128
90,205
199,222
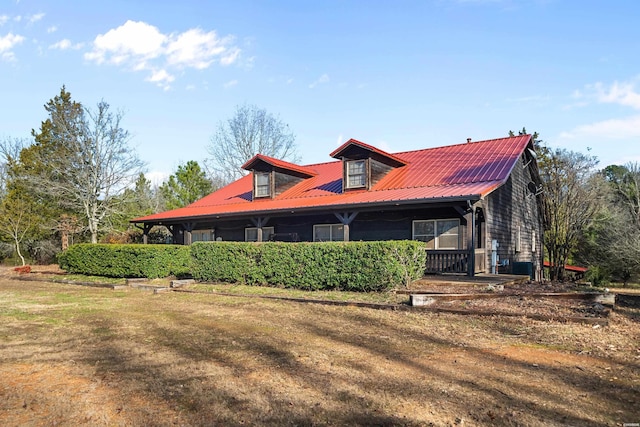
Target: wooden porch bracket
x,y
146,228
260,222
346,219
188,228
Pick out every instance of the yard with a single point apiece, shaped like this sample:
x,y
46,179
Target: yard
x,y
75,355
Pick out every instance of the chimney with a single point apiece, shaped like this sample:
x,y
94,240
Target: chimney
x,y
468,140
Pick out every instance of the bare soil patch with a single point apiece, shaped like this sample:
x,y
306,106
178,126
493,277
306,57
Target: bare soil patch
x,y
72,355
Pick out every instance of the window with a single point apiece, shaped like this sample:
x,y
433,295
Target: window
x,y
202,236
262,184
328,233
251,234
438,234
356,174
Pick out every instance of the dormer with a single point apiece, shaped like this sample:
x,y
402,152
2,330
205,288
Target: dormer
x,y
364,165
272,177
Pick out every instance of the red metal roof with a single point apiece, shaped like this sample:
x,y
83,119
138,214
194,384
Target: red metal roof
x,y
250,164
463,171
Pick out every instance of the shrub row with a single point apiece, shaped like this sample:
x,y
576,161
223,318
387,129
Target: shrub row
x,y
109,260
352,266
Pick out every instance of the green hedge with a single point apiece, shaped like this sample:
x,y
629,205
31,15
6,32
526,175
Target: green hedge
x,y
110,260
352,266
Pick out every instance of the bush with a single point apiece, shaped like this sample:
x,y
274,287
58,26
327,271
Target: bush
x,y
43,252
350,266
151,261
6,250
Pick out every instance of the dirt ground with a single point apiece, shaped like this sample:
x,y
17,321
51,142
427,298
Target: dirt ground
x,y
73,355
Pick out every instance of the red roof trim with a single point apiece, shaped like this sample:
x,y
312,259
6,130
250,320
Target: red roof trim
x,y
336,153
250,164
574,268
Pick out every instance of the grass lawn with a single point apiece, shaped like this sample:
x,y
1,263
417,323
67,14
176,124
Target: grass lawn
x,y
74,355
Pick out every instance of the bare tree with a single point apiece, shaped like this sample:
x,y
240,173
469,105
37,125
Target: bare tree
x,y
93,164
568,204
16,221
250,131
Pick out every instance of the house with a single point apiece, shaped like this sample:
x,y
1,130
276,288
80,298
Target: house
x,y
475,204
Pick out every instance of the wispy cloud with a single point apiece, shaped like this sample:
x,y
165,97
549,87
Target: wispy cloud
x,y
66,44
4,19
139,46
624,128
621,93
230,84
7,43
52,29
321,80
35,18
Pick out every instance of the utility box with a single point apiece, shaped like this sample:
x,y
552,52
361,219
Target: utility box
x,y
523,268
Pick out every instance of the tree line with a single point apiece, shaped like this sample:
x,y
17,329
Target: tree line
x,y
591,216
77,178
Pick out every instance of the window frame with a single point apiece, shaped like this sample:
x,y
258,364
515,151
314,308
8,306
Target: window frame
x,y
211,236
348,175
436,236
265,235
331,239
256,186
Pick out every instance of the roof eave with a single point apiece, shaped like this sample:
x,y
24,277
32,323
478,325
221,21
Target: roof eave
x,y
324,208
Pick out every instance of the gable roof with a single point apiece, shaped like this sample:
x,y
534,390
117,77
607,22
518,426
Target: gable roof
x,y
344,148
279,164
456,172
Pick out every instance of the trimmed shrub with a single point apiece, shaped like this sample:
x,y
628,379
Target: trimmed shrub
x,y
151,261
349,266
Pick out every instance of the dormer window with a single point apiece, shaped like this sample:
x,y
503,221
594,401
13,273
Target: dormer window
x,y
363,166
272,177
356,174
262,184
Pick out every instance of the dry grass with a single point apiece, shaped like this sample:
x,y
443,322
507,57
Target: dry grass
x,y
73,355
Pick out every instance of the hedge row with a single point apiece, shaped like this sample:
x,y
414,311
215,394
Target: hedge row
x,y
352,266
110,260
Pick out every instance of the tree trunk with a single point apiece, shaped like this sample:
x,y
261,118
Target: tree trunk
x,y
20,253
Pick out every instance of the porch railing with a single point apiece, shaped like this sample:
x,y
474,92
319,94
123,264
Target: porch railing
x,y
447,261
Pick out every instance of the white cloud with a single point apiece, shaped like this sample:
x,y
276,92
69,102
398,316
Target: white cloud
x,y
4,19
628,127
196,49
17,18
139,46
622,93
132,42
52,29
7,43
162,78
321,80
230,84
35,18
65,44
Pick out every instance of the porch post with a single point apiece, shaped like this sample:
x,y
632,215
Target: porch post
x,y
346,219
188,228
259,223
472,244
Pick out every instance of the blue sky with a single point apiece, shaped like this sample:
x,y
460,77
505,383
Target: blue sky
x,y
400,75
